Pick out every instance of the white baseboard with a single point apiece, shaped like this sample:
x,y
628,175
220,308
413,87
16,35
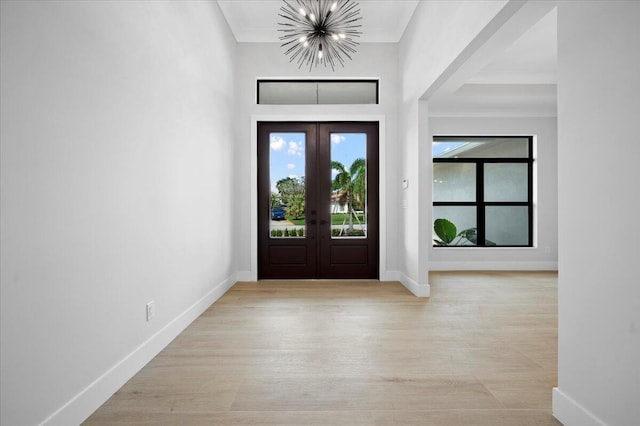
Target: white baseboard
x,y
389,276
419,290
492,266
80,407
570,413
246,276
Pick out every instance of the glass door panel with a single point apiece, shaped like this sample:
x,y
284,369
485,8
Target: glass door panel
x,y
287,201
348,185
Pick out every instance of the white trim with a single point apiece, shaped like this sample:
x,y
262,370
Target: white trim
x,y
382,168
245,276
81,406
570,413
492,266
389,276
419,290
494,112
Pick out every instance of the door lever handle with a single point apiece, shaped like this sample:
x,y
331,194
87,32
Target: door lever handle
x,y
312,222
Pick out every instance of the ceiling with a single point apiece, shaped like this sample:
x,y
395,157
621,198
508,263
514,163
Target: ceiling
x,y
531,59
256,21
520,80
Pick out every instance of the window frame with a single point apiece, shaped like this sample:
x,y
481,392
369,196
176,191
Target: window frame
x,y
480,202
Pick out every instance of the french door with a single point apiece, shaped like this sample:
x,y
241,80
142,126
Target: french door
x,y
318,200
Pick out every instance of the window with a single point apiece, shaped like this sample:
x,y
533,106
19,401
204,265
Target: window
x,y
317,92
483,191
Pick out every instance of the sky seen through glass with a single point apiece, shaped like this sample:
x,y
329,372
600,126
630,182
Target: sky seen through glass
x,y
287,152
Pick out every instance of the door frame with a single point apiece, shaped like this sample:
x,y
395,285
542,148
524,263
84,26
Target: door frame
x,y
252,275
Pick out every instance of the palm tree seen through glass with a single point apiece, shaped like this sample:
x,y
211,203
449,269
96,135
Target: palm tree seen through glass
x,y
349,187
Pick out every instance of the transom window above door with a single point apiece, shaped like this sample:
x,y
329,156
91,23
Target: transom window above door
x,y
317,92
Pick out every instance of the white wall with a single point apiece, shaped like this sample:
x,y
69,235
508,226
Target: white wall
x,y
599,206
437,34
267,60
544,256
116,150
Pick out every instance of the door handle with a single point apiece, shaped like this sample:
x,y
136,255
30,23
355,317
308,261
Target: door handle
x,y
312,222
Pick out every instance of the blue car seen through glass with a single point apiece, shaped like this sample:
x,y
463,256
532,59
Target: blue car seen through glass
x,y
277,213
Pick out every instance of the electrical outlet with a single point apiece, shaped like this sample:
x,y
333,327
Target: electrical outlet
x,y
151,310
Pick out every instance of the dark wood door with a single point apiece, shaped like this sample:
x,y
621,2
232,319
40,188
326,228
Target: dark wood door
x,y
318,200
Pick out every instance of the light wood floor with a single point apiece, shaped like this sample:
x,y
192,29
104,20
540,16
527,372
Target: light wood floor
x,y
481,351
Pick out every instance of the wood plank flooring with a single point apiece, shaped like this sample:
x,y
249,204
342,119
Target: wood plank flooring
x,y
481,351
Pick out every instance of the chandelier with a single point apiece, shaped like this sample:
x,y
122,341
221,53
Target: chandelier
x,y
319,32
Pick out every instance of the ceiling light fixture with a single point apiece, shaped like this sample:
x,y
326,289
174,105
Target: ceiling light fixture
x,y
319,32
